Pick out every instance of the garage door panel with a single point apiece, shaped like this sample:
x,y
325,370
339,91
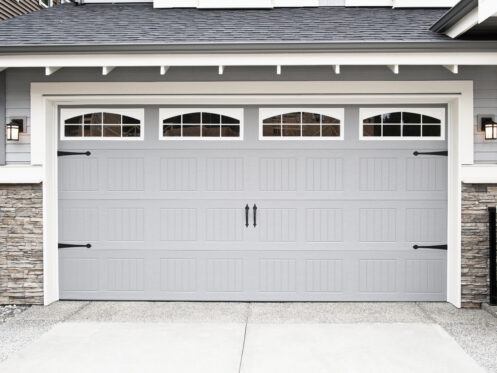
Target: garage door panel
x,y
336,221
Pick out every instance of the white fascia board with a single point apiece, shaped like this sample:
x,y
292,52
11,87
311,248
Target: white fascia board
x,y
175,3
464,24
479,174
252,59
21,174
222,4
368,2
424,3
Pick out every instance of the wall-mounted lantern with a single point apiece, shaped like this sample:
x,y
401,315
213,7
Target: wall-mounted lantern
x,y
13,130
491,131
14,127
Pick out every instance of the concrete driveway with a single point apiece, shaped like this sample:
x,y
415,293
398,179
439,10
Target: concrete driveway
x,y
249,338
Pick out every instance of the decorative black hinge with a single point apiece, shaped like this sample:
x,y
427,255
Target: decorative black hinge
x,y
247,208
444,153
68,245
61,153
434,247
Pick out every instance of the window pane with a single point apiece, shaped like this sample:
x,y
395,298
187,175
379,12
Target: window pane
x,y
192,118
371,130
130,120
93,131
275,119
74,120
427,119
111,118
131,131
230,131
291,130
331,131
191,130
271,131
292,118
391,131
411,118
311,118
376,119
72,131
330,120
211,131
229,120
94,118
171,130
173,120
391,118
411,130
312,130
112,131
431,130
209,118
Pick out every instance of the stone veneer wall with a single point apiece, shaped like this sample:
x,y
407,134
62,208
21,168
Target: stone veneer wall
x,y
21,244
476,198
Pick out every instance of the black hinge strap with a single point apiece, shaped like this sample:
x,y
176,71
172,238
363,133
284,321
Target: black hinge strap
x,y
63,153
68,245
444,153
435,247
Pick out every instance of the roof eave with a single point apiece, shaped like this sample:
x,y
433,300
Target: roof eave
x,y
280,47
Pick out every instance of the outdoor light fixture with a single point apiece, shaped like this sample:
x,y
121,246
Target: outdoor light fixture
x,y
491,131
13,129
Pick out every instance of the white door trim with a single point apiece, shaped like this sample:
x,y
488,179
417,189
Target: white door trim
x,y
46,97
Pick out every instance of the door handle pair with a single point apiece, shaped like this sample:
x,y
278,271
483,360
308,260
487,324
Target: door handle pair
x,y
247,209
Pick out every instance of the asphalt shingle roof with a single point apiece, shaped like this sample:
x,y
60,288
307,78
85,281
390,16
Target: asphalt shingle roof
x,y
141,24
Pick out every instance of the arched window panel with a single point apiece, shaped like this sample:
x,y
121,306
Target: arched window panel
x,y
102,124
301,124
201,124
402,123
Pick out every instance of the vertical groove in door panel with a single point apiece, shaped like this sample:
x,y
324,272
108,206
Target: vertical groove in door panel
x,y
424,276
424,225
324,174
324,225
78,175
125,174
377,276
178,224
277,174
324,275
277,275
225,275
79,224
178,174
378,174
178,275
224,174
224,224
125,224
378,225
125,274
277,225
427,174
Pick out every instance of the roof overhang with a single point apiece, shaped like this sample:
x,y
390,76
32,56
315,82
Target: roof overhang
x,y
107,62
469,18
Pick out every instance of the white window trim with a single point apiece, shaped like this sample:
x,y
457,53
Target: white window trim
x,y
438,113
338,113
164,113
70,113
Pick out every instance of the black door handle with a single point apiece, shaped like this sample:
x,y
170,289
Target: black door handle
x,y
61,153
435,247
443,153
255,215
68,245
247,208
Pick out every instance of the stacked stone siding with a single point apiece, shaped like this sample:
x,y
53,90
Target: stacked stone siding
x,y
476,198
21,244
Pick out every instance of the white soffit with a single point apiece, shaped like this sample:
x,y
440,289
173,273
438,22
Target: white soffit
x,y
486,9
424,3
245,4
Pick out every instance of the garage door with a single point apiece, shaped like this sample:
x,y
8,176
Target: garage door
x,y
253,204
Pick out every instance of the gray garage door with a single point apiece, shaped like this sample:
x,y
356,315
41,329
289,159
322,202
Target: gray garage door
x,y
335,220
